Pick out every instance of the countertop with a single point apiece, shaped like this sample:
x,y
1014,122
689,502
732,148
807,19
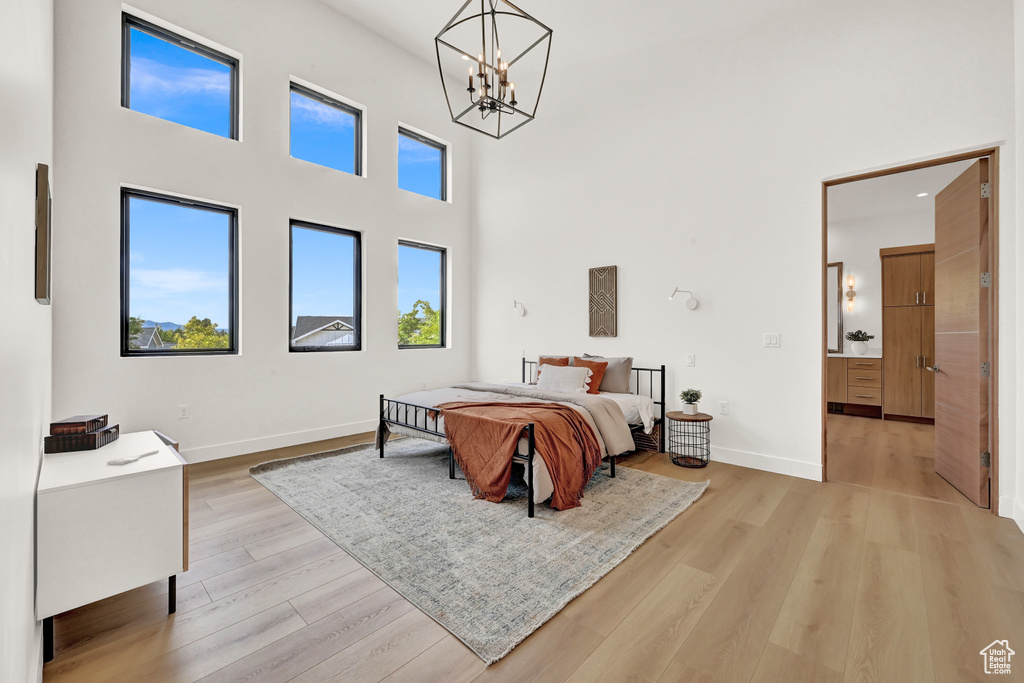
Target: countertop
x,y
870,354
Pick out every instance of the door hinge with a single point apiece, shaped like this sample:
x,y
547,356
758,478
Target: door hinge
x,y
986,370
986,190
986,459
986,279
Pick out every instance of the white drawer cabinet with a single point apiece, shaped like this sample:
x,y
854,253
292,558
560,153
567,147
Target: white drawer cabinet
x,y
104,529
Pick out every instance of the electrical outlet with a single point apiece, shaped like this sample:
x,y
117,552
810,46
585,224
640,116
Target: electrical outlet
x,y
772,340
423,386
723,407
690,360
183,411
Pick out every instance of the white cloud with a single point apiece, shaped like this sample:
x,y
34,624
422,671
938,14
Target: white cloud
x,y
416,152
178,281
319,113
149,76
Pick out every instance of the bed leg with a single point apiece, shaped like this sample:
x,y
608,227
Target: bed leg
x,y
451,464
613,466
529,472
380,427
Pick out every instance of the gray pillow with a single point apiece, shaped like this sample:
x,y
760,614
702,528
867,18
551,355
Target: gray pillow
x,y
617,376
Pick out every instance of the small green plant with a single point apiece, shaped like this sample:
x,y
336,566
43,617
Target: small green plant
x,y
859,335
690,395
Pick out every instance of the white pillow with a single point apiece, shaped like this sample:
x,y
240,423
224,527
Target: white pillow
x,y
571,380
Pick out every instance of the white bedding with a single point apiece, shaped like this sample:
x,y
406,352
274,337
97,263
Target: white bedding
x,y
636,410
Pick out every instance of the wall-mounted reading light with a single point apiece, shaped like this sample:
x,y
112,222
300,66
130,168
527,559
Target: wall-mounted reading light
x,y
517,306
691,303
850,294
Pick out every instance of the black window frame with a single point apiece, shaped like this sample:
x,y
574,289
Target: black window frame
x,y
337,104
127,194
129,22
443,293
444,159
357,284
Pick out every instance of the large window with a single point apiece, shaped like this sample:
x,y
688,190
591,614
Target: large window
x,y
325,309
422,165
421,296
179,276
170,77
325,131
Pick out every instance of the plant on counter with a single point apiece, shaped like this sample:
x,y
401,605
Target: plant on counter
x,y
859,336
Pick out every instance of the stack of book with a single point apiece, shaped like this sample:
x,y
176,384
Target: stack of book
x,y
79,433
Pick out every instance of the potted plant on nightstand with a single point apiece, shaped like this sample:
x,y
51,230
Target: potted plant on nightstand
x,y
860,340
690,397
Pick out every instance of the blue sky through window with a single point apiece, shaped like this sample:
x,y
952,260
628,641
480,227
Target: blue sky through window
x,y
322,134
419,167
180,263
322,273
176,84
419,277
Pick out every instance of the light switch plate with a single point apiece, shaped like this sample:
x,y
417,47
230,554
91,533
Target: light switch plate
x,y
690,360
772,340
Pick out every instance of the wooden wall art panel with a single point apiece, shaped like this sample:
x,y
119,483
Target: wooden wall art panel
x,y
603,297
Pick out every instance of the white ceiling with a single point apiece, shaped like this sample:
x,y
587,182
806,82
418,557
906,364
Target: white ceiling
x,y
890,195
580,27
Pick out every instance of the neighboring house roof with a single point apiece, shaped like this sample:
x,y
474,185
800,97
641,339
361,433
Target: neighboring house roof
x,y
306,325
145,340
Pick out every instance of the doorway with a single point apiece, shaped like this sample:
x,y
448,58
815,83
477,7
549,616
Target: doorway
x,y
882,262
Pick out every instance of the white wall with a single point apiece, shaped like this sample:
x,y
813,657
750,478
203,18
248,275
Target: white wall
x,y
699,164
26,139
264,397
856,244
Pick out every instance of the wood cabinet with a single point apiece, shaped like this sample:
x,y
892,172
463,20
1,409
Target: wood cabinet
x,y
856,381
835,385
908,330
908,279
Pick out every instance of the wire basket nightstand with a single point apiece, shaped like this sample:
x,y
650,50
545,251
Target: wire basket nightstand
x,y
689,439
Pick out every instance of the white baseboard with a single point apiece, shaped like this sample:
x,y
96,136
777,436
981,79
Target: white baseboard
x,y
1018,513
265,443
1005,508
768,463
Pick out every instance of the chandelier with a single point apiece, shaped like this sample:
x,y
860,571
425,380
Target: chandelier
x,y
499,43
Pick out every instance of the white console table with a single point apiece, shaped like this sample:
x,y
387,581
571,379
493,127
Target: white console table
x,y
104,529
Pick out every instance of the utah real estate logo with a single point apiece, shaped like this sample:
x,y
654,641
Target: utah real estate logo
x,y
997,657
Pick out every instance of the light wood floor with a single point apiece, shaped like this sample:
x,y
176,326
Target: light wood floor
x,y
887,455
766,578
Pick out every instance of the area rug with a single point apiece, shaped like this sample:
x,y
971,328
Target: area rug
x,y
484,571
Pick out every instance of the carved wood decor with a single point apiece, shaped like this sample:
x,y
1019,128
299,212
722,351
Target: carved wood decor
x,y
603,297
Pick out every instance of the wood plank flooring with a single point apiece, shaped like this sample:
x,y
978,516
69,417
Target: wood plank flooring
x,y
887,455
766,578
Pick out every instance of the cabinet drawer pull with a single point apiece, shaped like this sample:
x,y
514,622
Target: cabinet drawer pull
x,y
917,297
917,361
925,298
863,363
864,396
867,378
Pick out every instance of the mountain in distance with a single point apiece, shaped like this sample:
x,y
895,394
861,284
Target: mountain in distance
x,y
172,327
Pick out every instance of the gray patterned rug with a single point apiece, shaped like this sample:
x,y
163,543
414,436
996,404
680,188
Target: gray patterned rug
x,y
484,571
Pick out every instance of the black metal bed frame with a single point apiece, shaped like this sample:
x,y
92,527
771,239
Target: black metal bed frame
x,y
421,416
638,387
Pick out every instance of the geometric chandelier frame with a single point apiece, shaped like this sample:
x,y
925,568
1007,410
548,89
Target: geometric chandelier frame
x,y
491,106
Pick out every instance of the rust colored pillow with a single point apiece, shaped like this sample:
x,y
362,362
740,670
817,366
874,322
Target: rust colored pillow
x,y
598,368
552,360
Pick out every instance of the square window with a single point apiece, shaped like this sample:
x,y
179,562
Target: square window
x,y
325,131
421,165
326,289
421,296
173,78
179,282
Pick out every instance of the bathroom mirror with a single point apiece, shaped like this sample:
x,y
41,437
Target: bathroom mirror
x,y
834,312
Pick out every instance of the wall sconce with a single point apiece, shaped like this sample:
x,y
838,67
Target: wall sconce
x,y
691,303
850,294
517,306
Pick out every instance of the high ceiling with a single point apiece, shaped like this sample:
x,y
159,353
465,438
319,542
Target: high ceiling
x,y
890,195
580,28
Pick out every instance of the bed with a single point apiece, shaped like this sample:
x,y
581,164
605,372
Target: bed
x,y
643,410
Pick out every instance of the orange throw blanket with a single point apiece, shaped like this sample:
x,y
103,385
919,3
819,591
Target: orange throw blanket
x,y
485,436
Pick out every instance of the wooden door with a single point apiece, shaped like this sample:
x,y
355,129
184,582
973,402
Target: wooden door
x,y
901,362
928,279
902,278
962,334
927,359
